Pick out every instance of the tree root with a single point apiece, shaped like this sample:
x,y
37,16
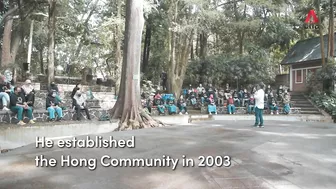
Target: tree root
x,y
138,120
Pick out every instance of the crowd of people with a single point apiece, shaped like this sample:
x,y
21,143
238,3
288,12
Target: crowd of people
x,y
209,96
20,100
164,103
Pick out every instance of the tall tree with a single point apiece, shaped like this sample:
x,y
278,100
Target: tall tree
x,y
331,31
128,107
51,40
7,38
181,35
317,4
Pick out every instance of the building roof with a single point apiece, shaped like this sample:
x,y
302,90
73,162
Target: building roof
x,y
307,50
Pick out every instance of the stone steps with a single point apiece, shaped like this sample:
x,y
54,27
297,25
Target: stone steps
x,y
311,112
308,109
300,101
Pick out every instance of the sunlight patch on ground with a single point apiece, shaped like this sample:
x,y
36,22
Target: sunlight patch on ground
x,y
285,124
307,136
330,135
173,180
229,141
190,142
217,125
21,168
279,144
61,178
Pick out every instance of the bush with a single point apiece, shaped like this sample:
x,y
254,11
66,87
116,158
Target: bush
x,y
326,102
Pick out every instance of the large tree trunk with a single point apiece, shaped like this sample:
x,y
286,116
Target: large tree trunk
x,y
331,31
41,60
118,55
16,45
128,107
203,53
146,51
51,40
192,50
7,37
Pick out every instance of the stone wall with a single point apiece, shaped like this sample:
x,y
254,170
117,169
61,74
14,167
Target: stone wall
x,y
109,82
42,116
104,100
69,87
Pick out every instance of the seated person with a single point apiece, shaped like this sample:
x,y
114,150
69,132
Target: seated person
x,y
280,93
54,88
149,104
181,104
251,105
52,106
172,109
75,89
29,93
212,105
273,105
4,96
80,104
157,95
221,97
227,91
185,92
241,96
160,106
204,98
231,105
246,97
268,90
19,106
266,102
236,99
286,101
200,90
193,100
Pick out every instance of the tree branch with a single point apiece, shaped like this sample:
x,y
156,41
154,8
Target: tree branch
x,y
8,14
40,14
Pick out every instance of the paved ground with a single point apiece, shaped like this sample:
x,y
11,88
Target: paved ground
x,y
282,155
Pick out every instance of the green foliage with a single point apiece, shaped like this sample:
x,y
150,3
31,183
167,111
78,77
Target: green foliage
x,y
226,68
328,72
326,102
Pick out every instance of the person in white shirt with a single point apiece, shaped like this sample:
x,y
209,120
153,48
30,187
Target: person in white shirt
x,y
29,92
200,90
79,102
259,105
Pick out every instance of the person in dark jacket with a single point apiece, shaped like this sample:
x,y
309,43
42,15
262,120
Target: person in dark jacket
x,y
19,105
75,89
273,104
54,88
52,106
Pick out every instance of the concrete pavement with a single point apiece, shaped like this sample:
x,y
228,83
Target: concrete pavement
x,y
285,155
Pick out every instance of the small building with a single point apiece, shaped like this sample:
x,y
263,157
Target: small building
x,y
302,58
